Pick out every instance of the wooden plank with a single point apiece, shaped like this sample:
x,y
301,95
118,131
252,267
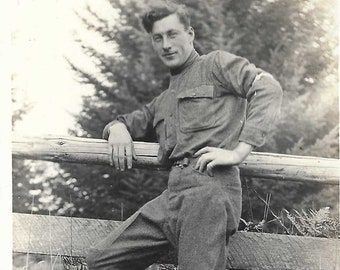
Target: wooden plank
x,y
52,235
94,151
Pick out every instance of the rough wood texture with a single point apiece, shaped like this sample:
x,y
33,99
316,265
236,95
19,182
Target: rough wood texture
x,y
94,151
52,235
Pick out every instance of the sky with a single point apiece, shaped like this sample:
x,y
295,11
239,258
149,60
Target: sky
x,y
43,36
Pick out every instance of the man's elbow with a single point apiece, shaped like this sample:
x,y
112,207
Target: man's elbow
x,y
266,80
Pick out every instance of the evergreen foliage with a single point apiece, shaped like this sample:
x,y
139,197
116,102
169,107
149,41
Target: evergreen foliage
x,y
314,223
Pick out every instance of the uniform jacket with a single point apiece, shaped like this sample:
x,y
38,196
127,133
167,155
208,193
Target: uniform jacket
x,y
217,100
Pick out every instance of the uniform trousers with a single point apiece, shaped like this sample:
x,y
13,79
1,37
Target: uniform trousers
x,y
196,215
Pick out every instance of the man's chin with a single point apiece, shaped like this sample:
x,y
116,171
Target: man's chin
x,y
171,64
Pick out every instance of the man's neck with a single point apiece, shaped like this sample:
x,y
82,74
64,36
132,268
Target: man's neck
x,y
191,59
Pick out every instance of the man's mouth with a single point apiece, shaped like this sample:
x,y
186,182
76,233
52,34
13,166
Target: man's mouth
x,y
166,55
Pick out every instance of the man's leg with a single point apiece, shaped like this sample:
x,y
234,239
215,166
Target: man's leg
x,y
208,213
202,235
137,243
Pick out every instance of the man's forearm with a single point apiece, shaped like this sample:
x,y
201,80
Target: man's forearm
x,y
242,150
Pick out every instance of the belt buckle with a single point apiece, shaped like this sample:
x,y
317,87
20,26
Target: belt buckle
x,y
183,163
186,162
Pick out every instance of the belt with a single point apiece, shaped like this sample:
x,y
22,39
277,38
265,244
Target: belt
x,y
181,163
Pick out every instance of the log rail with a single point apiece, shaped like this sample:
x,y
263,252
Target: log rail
x,y
258,165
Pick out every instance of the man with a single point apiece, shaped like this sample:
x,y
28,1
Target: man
x,y
218,107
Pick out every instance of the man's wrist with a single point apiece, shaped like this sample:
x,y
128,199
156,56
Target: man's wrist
x,y
115,123
106,131
242,150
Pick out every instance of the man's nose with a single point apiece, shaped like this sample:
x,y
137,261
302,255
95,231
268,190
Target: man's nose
x,y
166,44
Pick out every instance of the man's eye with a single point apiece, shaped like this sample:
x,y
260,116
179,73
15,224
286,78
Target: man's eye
x,y
157,39
172,35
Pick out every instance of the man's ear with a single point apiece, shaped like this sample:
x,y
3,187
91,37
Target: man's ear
x,y
152,41
191,32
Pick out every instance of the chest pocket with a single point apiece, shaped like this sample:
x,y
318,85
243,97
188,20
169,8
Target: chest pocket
x,y
196,109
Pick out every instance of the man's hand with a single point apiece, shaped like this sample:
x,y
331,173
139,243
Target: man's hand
x,y
120,147
213,156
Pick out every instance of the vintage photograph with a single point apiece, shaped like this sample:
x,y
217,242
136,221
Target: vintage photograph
x,y
182,135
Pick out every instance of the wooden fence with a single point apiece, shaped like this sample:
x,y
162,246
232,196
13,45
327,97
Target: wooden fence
x,y
66,236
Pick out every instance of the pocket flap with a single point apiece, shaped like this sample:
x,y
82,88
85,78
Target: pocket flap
x,y
206,91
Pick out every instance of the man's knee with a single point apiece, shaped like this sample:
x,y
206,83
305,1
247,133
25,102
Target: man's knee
x,y
95,261
92,259
100,260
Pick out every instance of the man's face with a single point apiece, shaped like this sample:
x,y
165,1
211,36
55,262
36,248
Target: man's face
x,y
171,41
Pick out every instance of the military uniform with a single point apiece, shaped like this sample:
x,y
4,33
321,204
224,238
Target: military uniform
x,y
213,100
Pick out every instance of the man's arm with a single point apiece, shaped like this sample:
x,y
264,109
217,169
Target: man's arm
x,y
120,132
264,95
213,156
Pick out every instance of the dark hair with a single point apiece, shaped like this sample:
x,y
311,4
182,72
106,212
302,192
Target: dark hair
x,y
161,9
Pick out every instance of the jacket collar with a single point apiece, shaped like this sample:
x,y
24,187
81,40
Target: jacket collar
x,y
191,59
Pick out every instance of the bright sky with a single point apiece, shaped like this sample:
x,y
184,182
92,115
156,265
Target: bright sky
x,y
43,35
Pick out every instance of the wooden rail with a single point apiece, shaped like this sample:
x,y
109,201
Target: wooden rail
x,y
65,236
94,151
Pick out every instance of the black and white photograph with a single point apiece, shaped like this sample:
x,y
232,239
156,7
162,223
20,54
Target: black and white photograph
x,y
173,135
